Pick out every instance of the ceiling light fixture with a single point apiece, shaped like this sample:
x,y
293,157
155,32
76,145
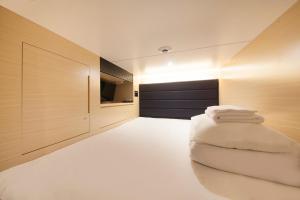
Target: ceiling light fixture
x,y
165,49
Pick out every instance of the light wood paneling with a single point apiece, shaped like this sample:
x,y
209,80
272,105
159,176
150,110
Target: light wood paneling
x,y
266,75
10,96
16,30
55,98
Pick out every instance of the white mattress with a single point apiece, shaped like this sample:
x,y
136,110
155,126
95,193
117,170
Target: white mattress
x,y
277,167
142,159
145,159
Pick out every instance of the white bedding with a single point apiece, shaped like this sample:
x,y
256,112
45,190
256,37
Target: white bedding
x,y
238,187
145,159
246,136
277,167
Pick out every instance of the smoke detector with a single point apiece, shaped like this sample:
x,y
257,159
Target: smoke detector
x,y
165,49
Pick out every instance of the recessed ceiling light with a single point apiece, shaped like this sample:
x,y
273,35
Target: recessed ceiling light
x,y
170,63
165,49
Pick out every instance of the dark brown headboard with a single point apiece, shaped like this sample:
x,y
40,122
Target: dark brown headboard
x,y
180,100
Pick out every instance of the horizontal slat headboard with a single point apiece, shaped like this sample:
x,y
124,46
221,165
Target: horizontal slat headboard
x,y
180,100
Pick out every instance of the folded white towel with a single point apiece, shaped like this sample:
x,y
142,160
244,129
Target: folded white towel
x,y
229,113
229,109
238,118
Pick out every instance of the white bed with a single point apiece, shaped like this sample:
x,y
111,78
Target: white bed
x,y
142,159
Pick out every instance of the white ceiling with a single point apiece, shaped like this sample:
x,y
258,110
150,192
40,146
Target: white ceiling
x,y
129,32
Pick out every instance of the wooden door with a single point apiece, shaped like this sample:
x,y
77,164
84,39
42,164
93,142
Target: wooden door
x,y
55,98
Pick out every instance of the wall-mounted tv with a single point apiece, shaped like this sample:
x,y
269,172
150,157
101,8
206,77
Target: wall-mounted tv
x,y
107,90
115,91
116,84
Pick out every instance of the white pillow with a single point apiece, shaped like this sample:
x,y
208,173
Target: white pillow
x,y
255,137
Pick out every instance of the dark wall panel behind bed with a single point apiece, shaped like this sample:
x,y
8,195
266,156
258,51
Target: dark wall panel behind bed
x,y
180,100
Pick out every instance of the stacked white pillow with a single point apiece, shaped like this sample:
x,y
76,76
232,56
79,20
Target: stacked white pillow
x,y
244,138
247,136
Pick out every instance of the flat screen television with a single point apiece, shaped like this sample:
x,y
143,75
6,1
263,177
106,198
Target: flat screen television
x,y
115,90
107,90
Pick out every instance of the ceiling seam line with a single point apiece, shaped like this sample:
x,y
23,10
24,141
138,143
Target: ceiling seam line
x,y
183,51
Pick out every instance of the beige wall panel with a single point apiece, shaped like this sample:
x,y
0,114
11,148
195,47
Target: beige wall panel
x,y
15,30
10,96
113,115
266,75
20,29
55,98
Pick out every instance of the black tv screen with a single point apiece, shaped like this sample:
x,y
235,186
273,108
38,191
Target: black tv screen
x,y
107,91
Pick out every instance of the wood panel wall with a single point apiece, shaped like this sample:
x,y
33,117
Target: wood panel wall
x,y
55,98
266,75
16,31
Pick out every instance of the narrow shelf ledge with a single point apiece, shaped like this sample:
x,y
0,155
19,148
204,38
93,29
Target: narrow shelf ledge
x,y
103,105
